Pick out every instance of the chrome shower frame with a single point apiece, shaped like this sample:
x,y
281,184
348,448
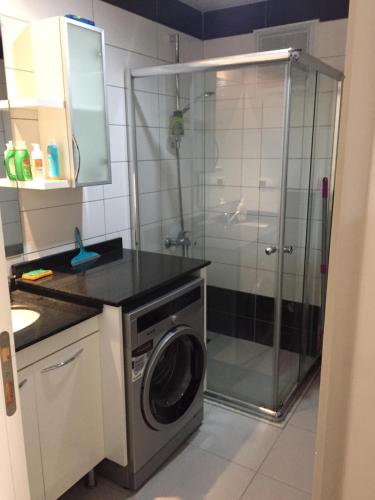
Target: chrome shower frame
x,y
292,57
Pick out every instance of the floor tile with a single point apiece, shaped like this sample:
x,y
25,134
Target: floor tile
x,y
292,458
265,488
197,475
243,440
305,415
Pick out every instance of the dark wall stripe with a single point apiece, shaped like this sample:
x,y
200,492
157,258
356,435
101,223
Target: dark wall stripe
x,y
145,8
290,11
235,20
180,16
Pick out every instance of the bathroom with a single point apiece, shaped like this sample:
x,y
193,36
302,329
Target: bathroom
x,y
219,125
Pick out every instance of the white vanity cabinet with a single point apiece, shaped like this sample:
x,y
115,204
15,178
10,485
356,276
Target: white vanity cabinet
x,y
31,432
61,403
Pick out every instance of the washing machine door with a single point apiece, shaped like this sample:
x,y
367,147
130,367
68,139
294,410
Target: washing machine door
x,y
173,377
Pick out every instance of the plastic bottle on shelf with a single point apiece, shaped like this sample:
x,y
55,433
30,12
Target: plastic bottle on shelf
x,y
22,162
37,162
9,163
53,160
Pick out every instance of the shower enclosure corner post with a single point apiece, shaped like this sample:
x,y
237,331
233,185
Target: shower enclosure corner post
x,y
132,160
281,236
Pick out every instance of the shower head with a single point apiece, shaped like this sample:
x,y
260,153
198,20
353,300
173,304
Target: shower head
x,y
204,95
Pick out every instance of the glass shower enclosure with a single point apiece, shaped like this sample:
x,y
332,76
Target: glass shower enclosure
x,y
233,160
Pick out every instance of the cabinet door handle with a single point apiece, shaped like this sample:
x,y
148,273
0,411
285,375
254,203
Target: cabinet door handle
x,y
62,363
76,147
22,383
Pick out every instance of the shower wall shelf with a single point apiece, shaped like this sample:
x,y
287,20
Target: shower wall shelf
x,y
40,185
31,103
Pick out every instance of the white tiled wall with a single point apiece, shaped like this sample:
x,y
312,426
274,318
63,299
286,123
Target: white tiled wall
x,y
102,212
244,171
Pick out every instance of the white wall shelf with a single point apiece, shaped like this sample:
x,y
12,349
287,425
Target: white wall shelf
x,y
31,103
39,184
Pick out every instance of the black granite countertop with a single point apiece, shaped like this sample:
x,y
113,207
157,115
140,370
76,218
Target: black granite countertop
x,y
117,278
55,316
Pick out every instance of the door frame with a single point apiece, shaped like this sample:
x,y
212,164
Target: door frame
x,y
14,482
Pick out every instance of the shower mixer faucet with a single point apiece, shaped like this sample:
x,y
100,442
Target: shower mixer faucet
x,y
182,240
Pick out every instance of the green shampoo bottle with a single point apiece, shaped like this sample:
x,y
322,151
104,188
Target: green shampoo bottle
x,y
22,162
10,167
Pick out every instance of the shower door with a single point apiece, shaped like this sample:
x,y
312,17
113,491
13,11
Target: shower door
x,y
244,130
306,233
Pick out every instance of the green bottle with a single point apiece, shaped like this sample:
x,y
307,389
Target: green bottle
x,y
22,162
9,161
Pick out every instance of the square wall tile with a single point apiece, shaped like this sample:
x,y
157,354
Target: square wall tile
x,y
147,143
149,176
227,144
250,172
117,214
93,219
252,114
251,143
269,202
125,29
146,107
270,173
120,181
151,236
150,207
116,105
117,143
250,199
223,171
272,143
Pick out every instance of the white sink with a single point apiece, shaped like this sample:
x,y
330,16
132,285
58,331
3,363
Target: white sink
x,y
21,318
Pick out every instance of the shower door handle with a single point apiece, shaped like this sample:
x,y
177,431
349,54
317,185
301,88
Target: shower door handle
x,y
270,250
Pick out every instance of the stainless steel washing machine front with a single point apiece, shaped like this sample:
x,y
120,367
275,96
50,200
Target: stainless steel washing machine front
x,y
165,357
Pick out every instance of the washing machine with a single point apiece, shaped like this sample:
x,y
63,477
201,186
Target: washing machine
x,y
165,357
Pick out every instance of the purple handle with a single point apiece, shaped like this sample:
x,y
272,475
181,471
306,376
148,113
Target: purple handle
x,y
325,188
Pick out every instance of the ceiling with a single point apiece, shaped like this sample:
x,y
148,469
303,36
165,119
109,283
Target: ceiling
x,y
205,5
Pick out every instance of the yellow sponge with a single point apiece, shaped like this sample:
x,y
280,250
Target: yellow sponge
x,y
37,274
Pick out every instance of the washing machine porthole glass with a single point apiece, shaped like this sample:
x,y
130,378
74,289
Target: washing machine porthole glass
x,y
176,379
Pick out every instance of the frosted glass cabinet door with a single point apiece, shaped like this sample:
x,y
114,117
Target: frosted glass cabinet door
x,y
88,105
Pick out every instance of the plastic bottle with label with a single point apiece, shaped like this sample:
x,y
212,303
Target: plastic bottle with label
x,y
37,162
22,162
10,166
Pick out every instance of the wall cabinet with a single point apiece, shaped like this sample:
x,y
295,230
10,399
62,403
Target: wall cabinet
x,y
61,405
64,97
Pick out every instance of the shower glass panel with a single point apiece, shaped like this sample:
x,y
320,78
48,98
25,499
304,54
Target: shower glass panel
x,y
170,166
320,201
243,166
232,160
299,158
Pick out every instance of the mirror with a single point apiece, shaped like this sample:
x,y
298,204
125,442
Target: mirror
x,y
9,204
